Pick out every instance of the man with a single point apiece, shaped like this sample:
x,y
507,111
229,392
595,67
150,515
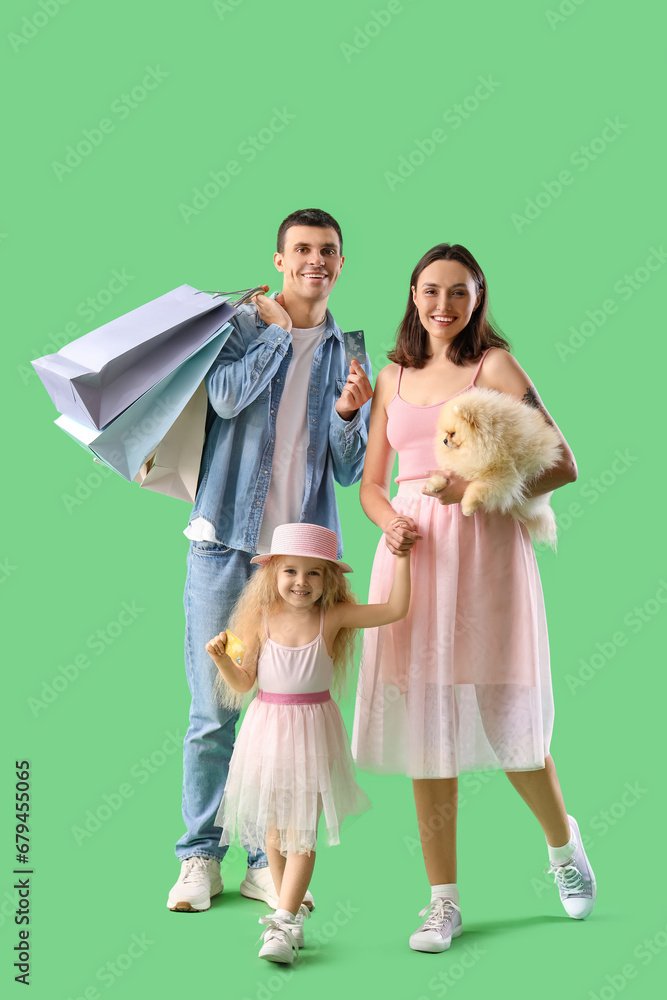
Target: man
x,y
283,423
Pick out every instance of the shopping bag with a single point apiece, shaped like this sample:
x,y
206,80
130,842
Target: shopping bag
x,y
173,469
96,377
126,443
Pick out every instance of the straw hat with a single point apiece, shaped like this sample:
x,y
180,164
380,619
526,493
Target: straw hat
x,y
303,540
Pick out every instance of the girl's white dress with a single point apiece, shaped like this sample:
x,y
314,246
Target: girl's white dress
x,y
292,757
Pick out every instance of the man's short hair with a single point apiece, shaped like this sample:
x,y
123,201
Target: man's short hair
x,y
308,217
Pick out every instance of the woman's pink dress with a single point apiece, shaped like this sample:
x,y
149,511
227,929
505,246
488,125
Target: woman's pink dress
x,y
463,682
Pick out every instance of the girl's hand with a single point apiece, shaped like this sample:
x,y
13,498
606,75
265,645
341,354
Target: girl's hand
x,y
452,492
401,534
216,646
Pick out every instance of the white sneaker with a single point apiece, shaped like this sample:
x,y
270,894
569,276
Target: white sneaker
x,y
575,880
258,884
442,924
302,915
198,881
280,942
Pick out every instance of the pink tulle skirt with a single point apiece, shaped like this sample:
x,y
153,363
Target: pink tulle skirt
x,y
291,764
463,682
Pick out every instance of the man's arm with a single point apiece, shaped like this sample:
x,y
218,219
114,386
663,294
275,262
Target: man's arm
x,y
244,368
348,433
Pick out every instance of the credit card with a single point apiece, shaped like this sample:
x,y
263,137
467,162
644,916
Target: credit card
x,y
355,347
234,648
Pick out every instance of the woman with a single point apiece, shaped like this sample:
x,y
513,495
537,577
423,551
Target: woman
x,y
463,682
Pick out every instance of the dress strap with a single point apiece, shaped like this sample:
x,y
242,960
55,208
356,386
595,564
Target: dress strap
x,y
474,378
398,382
321,622
265,623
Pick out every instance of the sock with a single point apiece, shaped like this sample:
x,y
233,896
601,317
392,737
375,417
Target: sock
x,y
447,890
561,855
285,915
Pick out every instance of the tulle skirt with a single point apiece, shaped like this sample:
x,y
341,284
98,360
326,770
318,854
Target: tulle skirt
x,y
463,682
291,764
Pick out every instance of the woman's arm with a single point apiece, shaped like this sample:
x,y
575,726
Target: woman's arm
x,y
239,678
501,371
400,532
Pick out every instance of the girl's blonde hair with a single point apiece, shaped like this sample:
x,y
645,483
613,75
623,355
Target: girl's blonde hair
x,y
260,600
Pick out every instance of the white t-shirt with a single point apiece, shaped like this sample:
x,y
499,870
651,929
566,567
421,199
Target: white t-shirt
x,y
288,472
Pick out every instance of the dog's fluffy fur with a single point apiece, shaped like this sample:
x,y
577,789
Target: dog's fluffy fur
x,y
498,445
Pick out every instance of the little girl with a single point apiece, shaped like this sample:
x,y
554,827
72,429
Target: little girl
x,y
298,619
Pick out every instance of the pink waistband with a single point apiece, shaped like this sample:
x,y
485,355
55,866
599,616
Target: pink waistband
x,y
306,698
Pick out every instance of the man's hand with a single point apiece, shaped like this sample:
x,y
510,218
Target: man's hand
x,y
273,310
452,492
357,391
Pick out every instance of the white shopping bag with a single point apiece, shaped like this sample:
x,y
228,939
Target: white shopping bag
x,y
96,377
173,469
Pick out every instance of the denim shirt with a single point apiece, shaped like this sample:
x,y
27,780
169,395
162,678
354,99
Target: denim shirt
x,y
244,387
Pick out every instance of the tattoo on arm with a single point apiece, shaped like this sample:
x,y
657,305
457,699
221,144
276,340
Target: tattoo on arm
x,y
530,398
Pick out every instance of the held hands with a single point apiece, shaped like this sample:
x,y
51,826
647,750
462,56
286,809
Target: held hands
x,y
452,490
216,648
273,310
400,535
356,392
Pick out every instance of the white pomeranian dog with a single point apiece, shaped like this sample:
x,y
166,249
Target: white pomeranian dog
x,y
498,445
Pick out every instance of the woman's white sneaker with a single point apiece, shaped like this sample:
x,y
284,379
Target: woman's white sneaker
x,y
575,880
198,881
442,924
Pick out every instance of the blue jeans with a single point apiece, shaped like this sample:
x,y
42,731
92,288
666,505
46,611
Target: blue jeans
x,y
216,576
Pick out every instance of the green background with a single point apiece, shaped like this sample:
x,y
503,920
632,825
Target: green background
x,y
360,101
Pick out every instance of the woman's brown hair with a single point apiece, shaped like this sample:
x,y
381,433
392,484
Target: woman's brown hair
x,y
411,350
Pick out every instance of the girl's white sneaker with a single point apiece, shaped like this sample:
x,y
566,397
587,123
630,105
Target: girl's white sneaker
x,y
301,917
280,941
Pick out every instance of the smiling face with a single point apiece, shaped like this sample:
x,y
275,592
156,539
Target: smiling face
x,y
445,296
310,262
300,581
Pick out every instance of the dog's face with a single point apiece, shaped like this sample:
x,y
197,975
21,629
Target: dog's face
x,y
453,430
462,440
